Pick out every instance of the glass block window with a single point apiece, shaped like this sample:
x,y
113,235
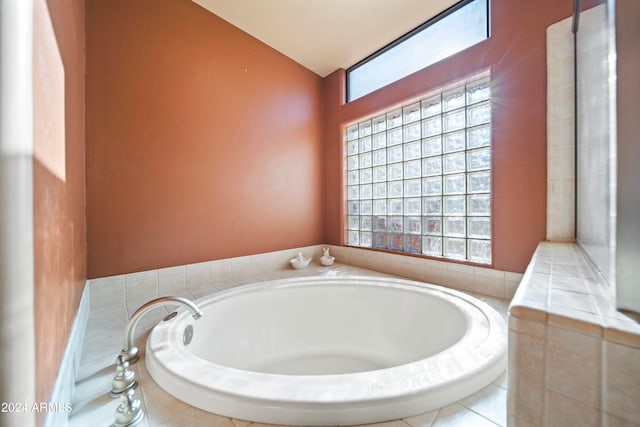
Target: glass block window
x,y
457,28
419,176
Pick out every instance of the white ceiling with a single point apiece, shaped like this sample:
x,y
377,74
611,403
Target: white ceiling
x,y
324,35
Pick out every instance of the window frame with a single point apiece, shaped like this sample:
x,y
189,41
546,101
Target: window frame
x,y
475,80
447,12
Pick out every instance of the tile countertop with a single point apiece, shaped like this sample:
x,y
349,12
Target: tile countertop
x,y
92,406
562,288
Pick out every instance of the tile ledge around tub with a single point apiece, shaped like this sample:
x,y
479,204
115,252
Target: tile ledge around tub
x,y
561,288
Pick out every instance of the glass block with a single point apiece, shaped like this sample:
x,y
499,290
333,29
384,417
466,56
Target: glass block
x,y
366,191
364,128
411,112
478,91
479,159
453,120
454,226
353,192
353,237
432,185
353,177
412,150
380,157
480,227
454,163
431,106
379,173
432,146
394,224
432,166
394,189
479,114
432,225
432,245
352,163
394,171
394,154
366,176
453,141
411,131
479,182
353,222
396,241
365,144
394,206
380,240
365,160
453,99
413,188
432,126
352,147
380,190
366,239
379,124
412,225
454,184
412,169
479,136
394,136
454,205
480,251
379,140
455,248
352,132
394,119
379,223
379,207
366,223
432,206
412,244
479,204
412,206
366,207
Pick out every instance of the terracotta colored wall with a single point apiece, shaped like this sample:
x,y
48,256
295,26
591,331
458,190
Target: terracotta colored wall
x,y
202,142
515,53
58,181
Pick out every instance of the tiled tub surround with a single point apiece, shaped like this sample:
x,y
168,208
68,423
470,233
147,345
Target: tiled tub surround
x,y
114,299
573,359
560,133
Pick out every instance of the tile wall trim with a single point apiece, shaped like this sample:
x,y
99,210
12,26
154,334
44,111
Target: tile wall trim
x,y
560,133
137,288
65,382
588,353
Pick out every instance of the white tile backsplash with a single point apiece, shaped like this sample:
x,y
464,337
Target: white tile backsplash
x,y
198,275
141,286
171,280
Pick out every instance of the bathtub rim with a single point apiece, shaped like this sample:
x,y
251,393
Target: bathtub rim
x,y
369,391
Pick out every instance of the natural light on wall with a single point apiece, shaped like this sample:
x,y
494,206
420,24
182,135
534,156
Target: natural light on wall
x,y
459,27
419,176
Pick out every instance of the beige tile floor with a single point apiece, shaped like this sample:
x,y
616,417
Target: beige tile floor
x,y
105,333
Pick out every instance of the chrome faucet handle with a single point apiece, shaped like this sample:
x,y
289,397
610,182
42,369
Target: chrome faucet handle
x,y
129,412
124,379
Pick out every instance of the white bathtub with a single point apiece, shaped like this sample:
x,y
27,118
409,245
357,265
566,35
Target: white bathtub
x,y
329,350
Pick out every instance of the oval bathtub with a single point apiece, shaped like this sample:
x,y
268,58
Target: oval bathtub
x,y
329,350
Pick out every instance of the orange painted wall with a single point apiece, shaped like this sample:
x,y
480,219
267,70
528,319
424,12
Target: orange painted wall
x,y
58,182
202,142
516,55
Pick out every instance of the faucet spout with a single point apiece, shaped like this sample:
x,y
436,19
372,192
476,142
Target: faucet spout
x,y
130,351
